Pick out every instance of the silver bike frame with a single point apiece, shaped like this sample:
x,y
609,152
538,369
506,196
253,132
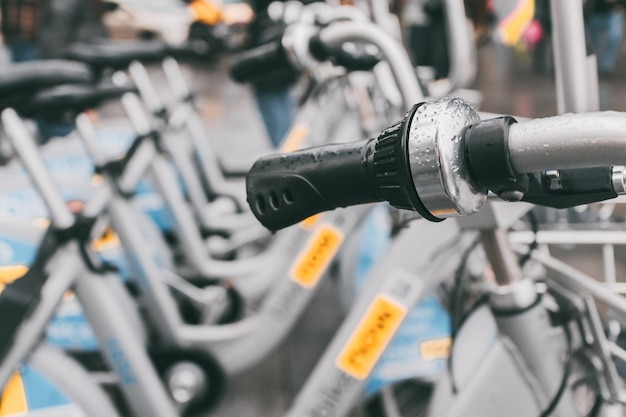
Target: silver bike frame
x,y
123,345
276,315
166,182
175,144
189,234
336,384
288,297
532,340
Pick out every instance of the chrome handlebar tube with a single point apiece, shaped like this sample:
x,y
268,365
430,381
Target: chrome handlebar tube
x,y
441,160
568,141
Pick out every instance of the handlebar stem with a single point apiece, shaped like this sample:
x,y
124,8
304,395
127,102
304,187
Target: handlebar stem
x,y
392,50
503,260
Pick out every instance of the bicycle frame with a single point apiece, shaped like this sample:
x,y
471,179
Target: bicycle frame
x,y
276,315
113,323
392,288
573,67
120,214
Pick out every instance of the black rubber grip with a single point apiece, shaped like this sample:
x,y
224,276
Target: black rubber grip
x,y
259,63
356,61
287,188
359,59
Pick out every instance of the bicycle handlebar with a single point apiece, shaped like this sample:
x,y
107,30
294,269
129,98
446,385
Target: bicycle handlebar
x,y
303,44
441,161
284,189
276,58
260,62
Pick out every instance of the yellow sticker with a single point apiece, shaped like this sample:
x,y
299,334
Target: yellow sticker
x,y
435,349
69,296
108,239
295,137
41,222
319,252
96,180
371,337
13,399
309,222
9,273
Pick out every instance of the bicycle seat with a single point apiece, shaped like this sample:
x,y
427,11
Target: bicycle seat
x,y
28,77
104,54
77,98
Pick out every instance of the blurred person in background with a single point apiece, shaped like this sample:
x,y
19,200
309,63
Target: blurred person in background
x,y
21,28
68,21
480,12
538,37
64,22
272,95
425,27
42,29
606,20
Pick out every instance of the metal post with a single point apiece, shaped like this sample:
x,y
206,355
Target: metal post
x,y
502,259
570,57
608,255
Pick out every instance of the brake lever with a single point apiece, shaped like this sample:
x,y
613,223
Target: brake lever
x,y
572,187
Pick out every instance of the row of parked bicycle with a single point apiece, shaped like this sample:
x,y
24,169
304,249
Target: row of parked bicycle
x,y
138,284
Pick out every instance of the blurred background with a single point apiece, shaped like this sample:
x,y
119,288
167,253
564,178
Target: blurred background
x,y
515,76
